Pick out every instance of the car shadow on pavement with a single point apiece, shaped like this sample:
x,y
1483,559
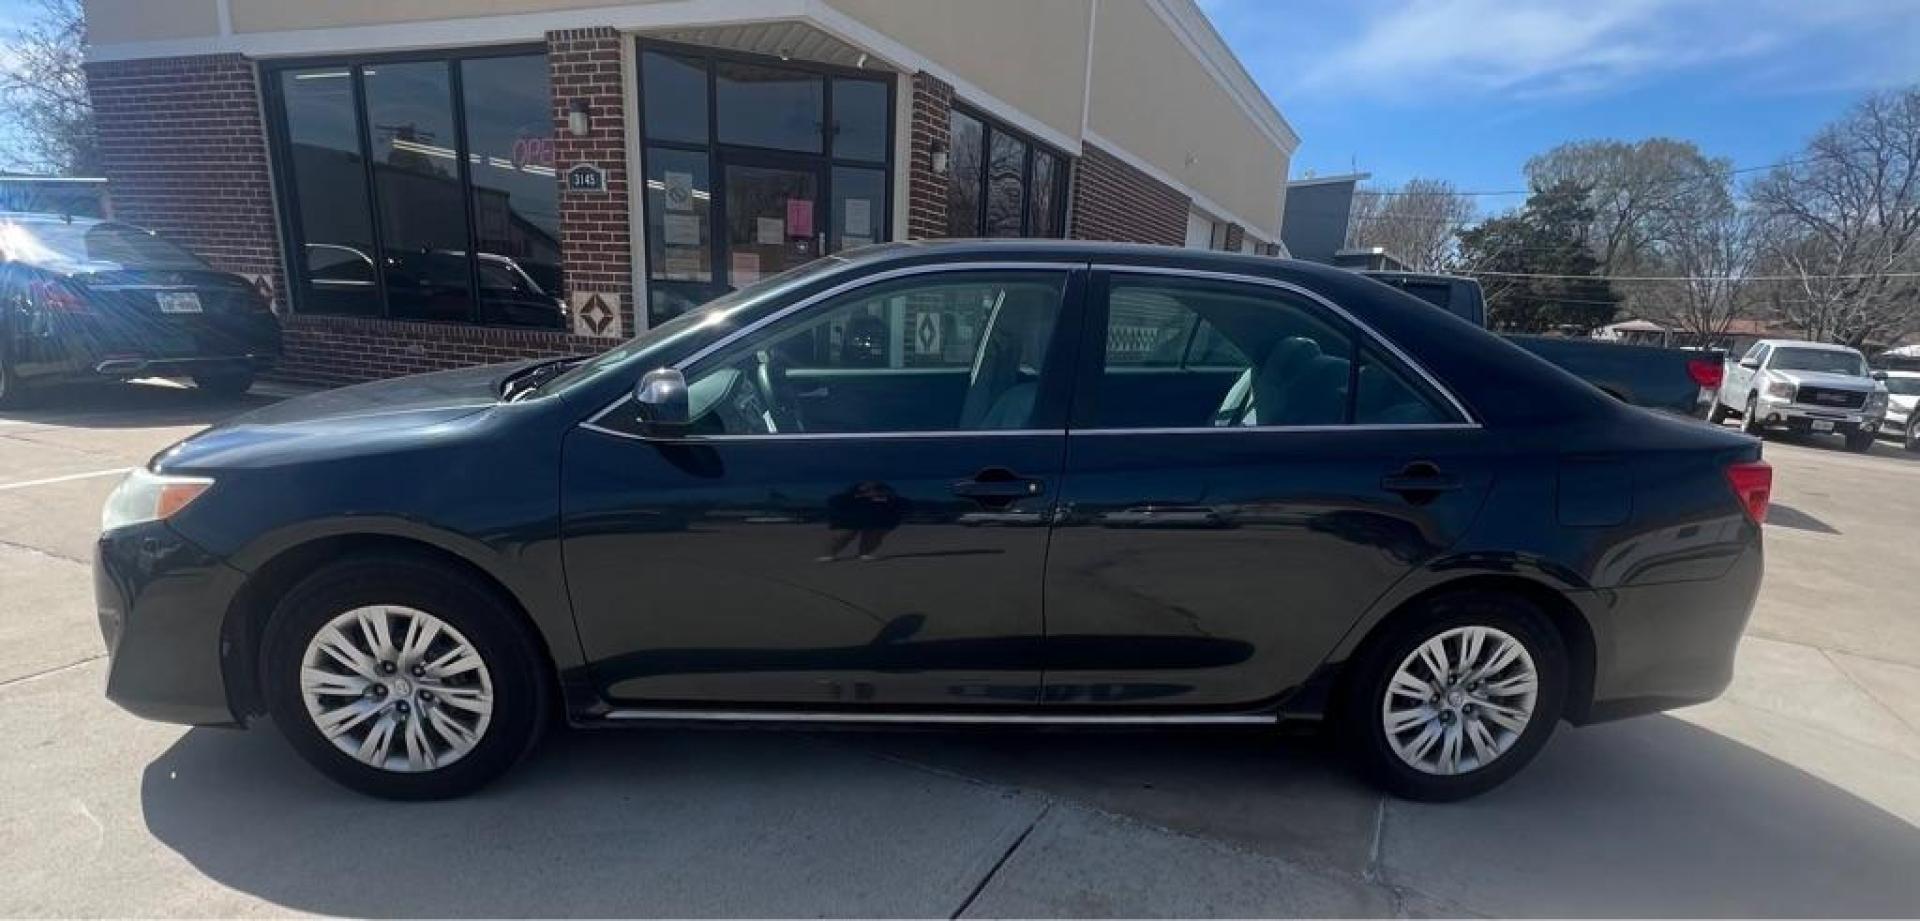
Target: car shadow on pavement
x,y
1650,816
132,405
1786,516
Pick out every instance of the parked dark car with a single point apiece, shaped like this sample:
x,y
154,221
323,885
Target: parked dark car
x,y
1680,381
84,299
1074,485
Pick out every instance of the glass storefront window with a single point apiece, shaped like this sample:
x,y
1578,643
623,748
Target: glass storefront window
x,y
516,206
675,97
1006,186
323,153
769,107
859,120
423,221
999,184
966,174
444,210
679,207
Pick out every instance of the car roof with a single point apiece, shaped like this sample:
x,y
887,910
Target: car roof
x,y
1804,344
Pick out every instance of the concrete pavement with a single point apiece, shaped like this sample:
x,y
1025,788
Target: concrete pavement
x,y
1797,793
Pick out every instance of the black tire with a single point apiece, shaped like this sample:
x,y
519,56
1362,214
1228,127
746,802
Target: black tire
x,y
1913,431
226,385
1861,442
511,655
1750,418
1358,715
1719,413
14,392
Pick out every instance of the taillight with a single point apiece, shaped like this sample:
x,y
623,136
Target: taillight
x,y
55,297
1752,483
1706,372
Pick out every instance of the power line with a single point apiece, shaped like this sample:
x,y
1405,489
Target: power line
x,y
1494,193
1858,276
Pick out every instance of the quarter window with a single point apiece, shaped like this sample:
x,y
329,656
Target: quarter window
x,y
962,352
1189,353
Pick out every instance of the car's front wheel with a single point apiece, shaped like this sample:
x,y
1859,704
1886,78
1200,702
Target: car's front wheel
x,y
13,390
1861,442
1458,696
1913,431
403,678
1750,419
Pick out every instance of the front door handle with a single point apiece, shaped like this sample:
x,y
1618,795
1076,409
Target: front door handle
x,y
1420,481
998,486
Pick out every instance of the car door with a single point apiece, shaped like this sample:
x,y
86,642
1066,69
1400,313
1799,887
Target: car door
x,y
1213,552
1740,376
816,540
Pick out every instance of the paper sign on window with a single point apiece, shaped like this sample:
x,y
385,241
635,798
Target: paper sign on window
x,y
800,217
679,191
770,230
681,229
746,268
859,217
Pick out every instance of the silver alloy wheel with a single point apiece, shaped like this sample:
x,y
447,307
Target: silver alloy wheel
x,y
1460,700
382,674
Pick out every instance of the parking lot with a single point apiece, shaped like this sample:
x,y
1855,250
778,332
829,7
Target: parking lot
x,y
1798,793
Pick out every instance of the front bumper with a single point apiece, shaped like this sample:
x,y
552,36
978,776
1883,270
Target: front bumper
x,y
1803,419
162,604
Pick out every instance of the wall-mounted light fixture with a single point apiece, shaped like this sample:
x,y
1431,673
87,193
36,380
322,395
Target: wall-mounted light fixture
x,y
938,154
577,118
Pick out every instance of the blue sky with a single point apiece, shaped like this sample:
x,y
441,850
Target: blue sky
x,y
1467,90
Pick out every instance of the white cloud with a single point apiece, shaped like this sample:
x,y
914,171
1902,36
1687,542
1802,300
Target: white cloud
x,y
1556,47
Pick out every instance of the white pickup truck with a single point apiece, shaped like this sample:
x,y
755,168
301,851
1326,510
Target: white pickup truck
x,y
1804,387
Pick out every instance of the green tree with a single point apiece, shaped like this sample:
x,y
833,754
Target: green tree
x,y
1537,265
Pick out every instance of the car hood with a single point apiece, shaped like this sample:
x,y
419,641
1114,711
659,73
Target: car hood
x,y
1824,379
345,420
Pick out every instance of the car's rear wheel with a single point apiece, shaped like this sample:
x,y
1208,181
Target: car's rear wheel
x,y
1458,696
224,384
403,679
1913,430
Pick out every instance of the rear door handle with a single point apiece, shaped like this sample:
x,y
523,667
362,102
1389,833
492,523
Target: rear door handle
x,y
998,486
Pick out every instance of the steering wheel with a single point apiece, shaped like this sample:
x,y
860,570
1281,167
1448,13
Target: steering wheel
x,y
770,378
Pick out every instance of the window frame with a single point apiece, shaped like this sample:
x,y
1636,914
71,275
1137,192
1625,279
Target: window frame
x,y
1057,379
1363,339
287,199
990,126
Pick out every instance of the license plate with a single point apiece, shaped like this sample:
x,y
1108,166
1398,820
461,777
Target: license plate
x,y
178,302
1823,426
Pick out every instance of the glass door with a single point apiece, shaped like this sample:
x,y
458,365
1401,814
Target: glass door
x,y
774,215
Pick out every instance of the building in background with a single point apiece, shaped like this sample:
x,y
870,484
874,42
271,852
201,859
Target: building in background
x,y
427,186
1319,216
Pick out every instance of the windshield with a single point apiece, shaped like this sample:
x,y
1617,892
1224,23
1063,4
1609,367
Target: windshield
x,y
711,313
1904,386
92,244
1828,361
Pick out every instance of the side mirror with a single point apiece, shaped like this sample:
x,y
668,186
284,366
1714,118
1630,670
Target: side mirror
x,y
662,401
1753,363
1878,375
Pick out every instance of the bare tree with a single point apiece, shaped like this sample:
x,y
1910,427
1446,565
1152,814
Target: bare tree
x,y
1416,223
1714,253
44,89
1640,190
1843,220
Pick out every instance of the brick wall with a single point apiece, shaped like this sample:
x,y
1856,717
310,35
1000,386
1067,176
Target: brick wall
x,y
926,189
596,238
329,351
1236,236
182,143
1114,201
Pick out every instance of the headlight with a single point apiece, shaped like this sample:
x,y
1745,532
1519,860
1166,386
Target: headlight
x,y
1781,390
148,496
1877,400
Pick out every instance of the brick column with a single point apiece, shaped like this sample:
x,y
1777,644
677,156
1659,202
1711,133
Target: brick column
x,y
183,146
1113,201
596,239
926,189
1236,235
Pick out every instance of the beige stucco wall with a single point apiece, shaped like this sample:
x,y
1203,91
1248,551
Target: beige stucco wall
x,y
1031,54
116,21
261,16
1153,98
